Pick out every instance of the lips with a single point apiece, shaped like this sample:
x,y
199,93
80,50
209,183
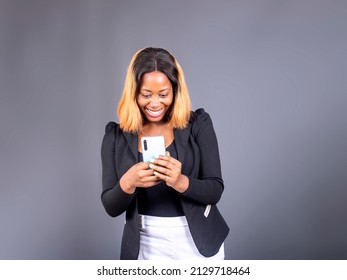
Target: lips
x,y
154,113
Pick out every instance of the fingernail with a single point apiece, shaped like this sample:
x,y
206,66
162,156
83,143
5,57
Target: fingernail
x,y
151,166
152,160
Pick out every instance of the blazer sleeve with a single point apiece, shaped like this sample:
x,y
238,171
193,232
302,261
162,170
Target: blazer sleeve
x,y
114,199
208,187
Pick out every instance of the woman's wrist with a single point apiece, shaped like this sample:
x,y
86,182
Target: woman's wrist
x,y
182,184
125,186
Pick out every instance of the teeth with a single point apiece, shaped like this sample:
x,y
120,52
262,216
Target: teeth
x,y
154,113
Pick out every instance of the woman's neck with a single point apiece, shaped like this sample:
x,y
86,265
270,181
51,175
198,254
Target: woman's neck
x,y
152,128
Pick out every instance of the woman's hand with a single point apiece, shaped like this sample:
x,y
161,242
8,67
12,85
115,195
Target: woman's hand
x,y
139,175
168,169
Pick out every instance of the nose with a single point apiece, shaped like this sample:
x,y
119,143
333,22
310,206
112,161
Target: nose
x,y
154,102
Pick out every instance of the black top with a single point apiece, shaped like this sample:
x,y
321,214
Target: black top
x,y
160,200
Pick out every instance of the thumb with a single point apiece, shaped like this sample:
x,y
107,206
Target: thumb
x,y
143,165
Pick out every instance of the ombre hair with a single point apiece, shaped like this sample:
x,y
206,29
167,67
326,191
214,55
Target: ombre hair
x,y
145,61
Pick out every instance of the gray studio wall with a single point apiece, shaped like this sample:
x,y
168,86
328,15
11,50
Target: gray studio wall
x,y
272,74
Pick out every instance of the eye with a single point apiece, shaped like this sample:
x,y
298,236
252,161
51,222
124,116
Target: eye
x,y
163,95
146,95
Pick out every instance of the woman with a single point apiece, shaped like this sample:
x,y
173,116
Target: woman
x,y
170,203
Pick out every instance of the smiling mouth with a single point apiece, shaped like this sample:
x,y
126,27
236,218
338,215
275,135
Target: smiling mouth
x,y
154,113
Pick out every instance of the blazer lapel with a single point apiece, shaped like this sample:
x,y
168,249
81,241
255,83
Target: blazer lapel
x,y
181,142
133,143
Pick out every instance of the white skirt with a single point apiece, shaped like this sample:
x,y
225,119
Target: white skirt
x,y
169,238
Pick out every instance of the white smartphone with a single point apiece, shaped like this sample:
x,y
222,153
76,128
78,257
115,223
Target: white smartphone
x,y
152,146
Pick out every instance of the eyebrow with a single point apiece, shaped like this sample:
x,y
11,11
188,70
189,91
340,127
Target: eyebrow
x,y
147,90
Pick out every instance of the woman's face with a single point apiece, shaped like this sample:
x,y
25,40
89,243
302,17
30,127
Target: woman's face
x,y
155,96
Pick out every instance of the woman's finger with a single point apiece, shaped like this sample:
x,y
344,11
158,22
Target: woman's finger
x,y
167,162
160,169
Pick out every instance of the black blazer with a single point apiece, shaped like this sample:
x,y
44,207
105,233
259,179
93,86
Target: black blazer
x,y
197,150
